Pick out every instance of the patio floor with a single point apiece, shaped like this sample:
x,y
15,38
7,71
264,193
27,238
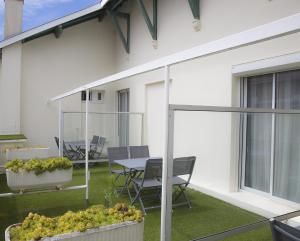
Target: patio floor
x,y
208,215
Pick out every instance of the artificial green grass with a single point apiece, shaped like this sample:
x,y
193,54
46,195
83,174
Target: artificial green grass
x,y
12,137
207,216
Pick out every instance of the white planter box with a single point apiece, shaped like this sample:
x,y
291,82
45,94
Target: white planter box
x,y
128,231
29,180
8,144
27,153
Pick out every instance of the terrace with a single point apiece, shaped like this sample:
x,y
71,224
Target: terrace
x,y
215,135
208,215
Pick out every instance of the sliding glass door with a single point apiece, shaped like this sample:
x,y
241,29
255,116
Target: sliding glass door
x,y
272,142
259,131
287,148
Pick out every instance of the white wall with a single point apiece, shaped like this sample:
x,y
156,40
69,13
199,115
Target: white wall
x,y
51,66
154,117
10,89
219,18
206,81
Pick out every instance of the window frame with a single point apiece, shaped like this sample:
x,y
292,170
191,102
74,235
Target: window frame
x,y
243,144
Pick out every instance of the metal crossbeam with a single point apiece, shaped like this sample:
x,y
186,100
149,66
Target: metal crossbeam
x,y
231,109
125,39
234,231
246,228
43,191
195,7
152,26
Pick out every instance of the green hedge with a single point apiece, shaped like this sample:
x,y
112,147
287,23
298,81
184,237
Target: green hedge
x,y
40,166
12,137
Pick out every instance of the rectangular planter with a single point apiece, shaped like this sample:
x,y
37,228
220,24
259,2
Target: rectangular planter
x,y
4,145
24,180
128,231
27,153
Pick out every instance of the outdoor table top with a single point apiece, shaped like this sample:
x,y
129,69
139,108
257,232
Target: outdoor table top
x,y
77,143
134,163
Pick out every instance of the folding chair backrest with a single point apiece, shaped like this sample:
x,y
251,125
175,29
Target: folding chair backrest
x,y
65,149
139,151
95,140
284,232
116,153
64,144
101,142
56,141
100,145
153,169
183,166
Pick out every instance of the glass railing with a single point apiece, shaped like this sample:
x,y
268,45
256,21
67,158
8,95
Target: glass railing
x,y
114,128
253,150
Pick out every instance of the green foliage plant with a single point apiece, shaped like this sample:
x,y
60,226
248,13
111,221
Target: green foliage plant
x,y
36,227
111,194
39,166
12,137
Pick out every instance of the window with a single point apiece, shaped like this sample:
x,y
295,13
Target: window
x,y
95,96
83,95
99,95
272,142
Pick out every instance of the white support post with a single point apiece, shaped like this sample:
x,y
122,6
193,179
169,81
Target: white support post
x,y
87,145
142,130
60,129
166,201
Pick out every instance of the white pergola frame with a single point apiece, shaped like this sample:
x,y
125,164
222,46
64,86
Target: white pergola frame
x,y
276,29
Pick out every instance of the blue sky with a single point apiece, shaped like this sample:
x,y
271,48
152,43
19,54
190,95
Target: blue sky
x,y
37,12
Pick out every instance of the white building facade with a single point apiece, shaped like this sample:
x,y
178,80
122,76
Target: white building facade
x,y
264,178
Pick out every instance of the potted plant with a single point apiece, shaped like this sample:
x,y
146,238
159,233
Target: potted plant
x,y
120,223
38,173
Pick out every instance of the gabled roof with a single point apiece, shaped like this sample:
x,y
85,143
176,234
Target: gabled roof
x,y
67,21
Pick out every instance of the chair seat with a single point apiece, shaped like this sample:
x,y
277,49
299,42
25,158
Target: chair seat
x,y
120,171
141,169
178,181
147,183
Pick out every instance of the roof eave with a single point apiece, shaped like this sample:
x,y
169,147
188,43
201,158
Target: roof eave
x,y
46,28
